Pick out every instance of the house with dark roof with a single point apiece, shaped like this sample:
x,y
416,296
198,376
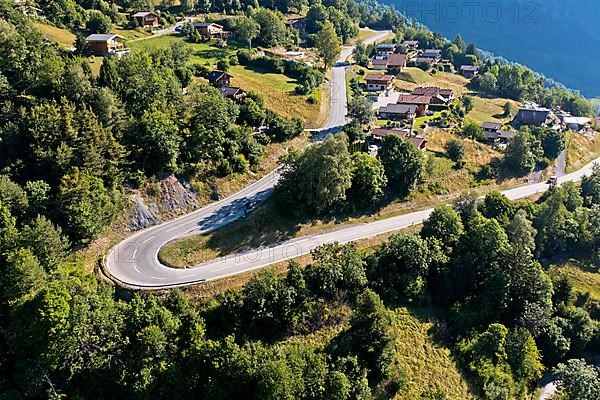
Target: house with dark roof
x,y
469,71
106,44
395,111
234,93
421,102
493,133
146,18
499,137
436,54
379,82
297,23
425,63
219,79
385,49
532,114
210,30
411,45
491,126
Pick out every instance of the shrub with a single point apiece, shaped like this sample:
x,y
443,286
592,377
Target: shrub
x,y
223,64
99,23
223,168
240,164
244,56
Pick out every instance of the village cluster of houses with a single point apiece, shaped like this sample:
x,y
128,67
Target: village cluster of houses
x,y
533,114
409,105
388,56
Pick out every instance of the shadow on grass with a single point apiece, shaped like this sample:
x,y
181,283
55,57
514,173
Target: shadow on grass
x,y
262,70
213,53
269,224
266,225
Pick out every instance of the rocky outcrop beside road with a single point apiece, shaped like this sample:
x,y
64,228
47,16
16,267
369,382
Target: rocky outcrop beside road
x,y
148,208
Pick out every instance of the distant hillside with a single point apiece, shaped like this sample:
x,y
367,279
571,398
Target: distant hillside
x,y
559,38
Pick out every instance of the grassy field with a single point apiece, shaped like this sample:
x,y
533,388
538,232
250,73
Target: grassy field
x,y
584,281
95,64
62,37
430,367
130,34
476,153
490,109
277,89
412,75
581,150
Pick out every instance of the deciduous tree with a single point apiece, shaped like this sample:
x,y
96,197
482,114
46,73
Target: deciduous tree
x,y
328,44
403,163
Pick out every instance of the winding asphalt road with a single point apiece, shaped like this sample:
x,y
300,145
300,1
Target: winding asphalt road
x,y
134,262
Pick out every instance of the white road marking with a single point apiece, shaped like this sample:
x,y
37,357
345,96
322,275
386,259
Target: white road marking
x,y
148,238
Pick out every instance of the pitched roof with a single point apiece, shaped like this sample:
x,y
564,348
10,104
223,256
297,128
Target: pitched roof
x,y
386,46
491,126
231,90
379,61
206,24
294,21
144,14
426,91
424,60
532,113
469,68
413,99
418,141
576,120
397,60
395,108
379,78
410,42
506,134
216,74
102,37
431,53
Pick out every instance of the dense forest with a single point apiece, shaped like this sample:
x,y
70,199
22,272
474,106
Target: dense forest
x,y
481,263
72,144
